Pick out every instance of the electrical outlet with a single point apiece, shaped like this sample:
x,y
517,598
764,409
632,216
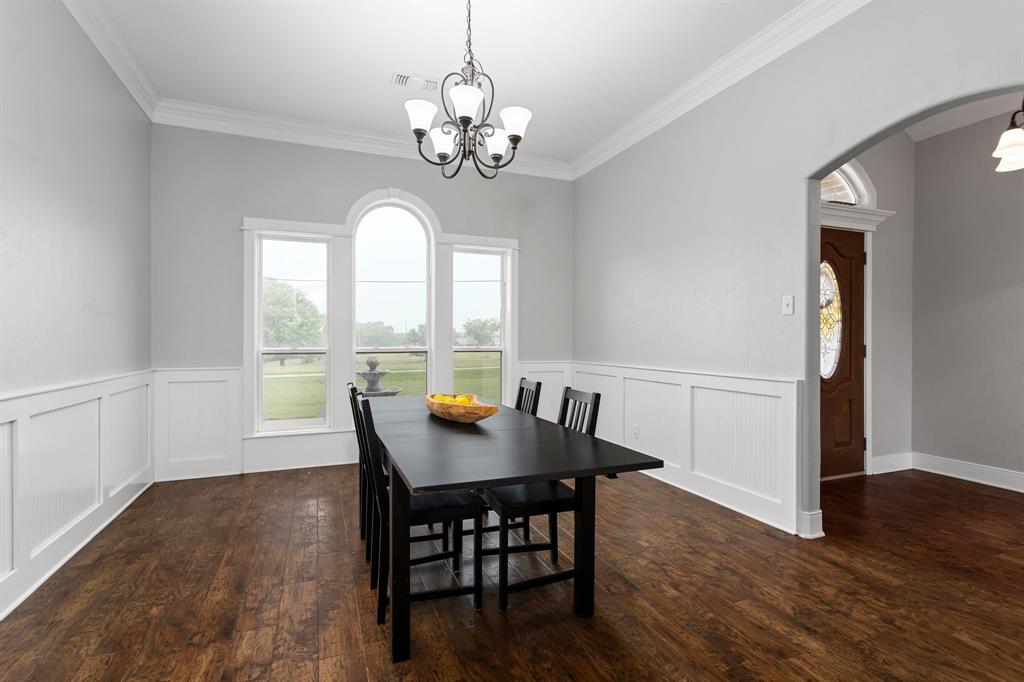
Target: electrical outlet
x,y
787,305
636,432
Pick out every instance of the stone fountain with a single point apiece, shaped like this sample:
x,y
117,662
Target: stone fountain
x,y
373,377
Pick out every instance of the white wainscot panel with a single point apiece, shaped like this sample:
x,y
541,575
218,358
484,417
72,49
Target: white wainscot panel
x,y
736,439
299,450
61,471
71,458
609,385
653,419
6,499
554,377
198,423
126,438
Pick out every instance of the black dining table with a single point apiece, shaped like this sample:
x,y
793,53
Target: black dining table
x,y
428,454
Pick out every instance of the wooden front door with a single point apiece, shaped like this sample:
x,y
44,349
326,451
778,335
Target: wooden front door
x,y
841,311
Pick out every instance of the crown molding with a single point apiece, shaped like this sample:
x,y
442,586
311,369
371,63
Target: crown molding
x,y
299,131
800,24
858,218
97,23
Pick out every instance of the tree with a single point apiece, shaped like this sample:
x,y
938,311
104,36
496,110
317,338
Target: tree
x,y
417,336
481,331
290,319
376,335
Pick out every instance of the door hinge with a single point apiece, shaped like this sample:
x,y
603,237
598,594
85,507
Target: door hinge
x,y
865,443
865,350
865,258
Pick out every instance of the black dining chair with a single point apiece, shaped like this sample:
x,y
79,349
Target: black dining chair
x,y
578,412
368,509
528,397
451,509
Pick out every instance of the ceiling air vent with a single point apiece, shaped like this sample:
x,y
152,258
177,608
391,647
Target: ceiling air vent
x,y
414,82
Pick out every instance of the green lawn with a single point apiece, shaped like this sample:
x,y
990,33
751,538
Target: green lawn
x,y
296,389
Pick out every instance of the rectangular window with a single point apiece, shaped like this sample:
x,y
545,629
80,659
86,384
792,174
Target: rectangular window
x,y
292,339
478,314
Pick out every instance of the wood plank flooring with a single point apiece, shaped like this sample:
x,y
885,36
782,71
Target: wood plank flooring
x,y
262,577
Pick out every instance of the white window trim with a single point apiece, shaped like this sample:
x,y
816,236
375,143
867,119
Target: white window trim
x,y
339,249
509,333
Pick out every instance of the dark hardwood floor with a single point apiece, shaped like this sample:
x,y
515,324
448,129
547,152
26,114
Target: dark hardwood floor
x,y
262,577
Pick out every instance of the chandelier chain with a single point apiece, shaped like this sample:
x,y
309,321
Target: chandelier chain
x,y
469,32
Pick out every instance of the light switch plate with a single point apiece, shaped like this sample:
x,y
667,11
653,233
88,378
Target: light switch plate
x,y
787,305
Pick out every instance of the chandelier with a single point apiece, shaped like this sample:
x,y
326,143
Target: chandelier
x,y
465,134
1010,150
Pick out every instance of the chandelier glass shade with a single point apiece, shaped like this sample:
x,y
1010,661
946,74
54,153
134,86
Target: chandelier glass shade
x,y
1010,149
466,134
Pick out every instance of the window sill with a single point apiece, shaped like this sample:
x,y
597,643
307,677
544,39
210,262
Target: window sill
x,y
296,432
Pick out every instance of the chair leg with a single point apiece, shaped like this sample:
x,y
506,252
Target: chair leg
x,y
526,530
376,540
457,546
362,503
384,565
553,534
478,564
503,564
371,525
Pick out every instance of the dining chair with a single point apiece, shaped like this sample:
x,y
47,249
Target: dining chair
x,y
368,509
451,509
528,397
578,412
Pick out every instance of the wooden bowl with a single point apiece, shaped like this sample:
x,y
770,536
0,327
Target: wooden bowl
x,y
465,414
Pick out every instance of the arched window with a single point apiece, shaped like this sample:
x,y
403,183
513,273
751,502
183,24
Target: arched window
x,y
836,188
392,290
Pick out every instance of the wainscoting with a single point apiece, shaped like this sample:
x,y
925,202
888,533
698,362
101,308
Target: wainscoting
x,y
732,440
71,458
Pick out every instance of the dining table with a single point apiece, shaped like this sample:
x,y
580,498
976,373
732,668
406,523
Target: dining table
x,y
428,454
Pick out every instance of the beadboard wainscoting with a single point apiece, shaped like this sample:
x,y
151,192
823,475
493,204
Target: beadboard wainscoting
x,y
71,458
733,440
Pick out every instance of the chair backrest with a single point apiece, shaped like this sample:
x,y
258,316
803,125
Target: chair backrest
x,y
357,420
374,457
528,398
579,410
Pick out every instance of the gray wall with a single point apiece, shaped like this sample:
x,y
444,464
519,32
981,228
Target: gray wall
x,y
686,242
890,165
203,184
969,301
74,228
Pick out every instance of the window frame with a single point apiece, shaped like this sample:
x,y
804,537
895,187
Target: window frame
x,y
262,424
429,293
506,304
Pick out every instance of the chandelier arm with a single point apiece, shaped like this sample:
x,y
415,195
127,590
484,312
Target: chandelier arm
x,y
419,148
480,170
461,157
497,167
490,103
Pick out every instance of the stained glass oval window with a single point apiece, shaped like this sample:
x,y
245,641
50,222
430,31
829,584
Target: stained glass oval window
x,y
830,312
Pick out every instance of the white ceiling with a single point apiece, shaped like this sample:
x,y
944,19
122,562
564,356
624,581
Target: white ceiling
x,y
597,74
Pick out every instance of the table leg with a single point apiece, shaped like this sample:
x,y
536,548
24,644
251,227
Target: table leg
x,y
583,540
399,568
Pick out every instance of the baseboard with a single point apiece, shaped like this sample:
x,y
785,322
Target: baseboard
x,y
1007,479
809,525
299,451
897,461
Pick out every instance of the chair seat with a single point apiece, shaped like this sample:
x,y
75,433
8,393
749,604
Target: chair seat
x,y
530,498
443,506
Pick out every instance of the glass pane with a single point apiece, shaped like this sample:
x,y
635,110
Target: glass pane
x,y
382,374
390,246
830,311
479,372
294,294
391,314
835,188
294,390
477,294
